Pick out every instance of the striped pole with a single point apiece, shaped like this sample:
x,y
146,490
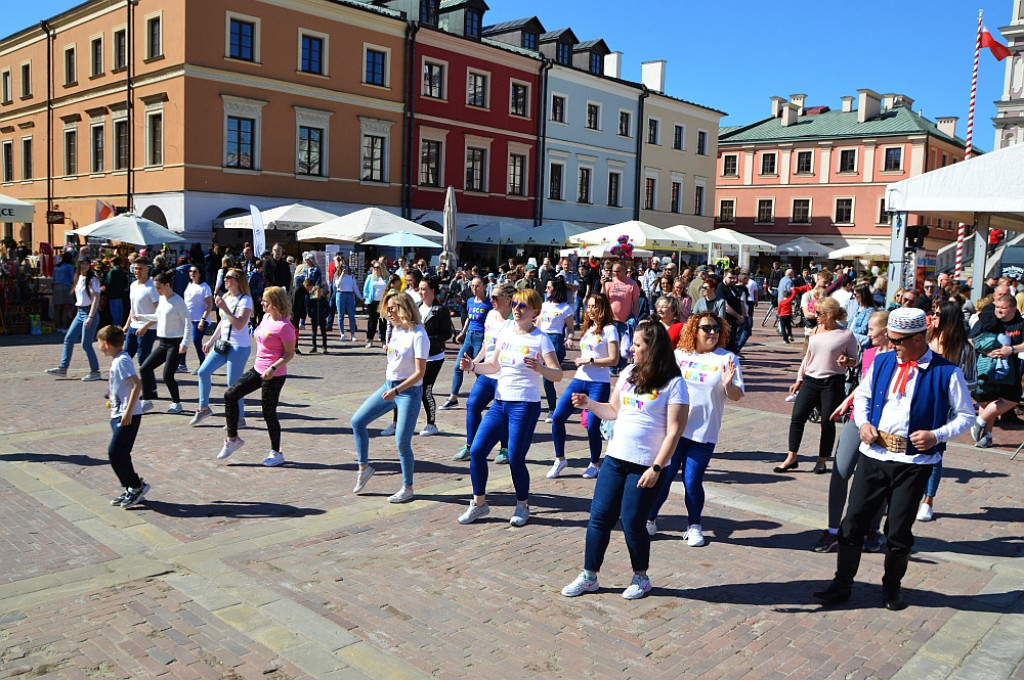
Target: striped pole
x,y
961,228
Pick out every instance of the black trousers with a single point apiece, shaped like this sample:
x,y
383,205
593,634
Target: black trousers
x,y
319,326
429,405
786,327
826,394
375,323
270,394
122,439
876,482
165,354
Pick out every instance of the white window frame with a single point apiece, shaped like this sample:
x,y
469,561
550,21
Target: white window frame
x,y
721,202
98,122
707,142
475,142
152,110
792,210
6,86
885,219
586,120
561,186
25,82
643,193
735,156
70,128
835,209
618,198
885,150
703,184
488,87
324,53
529,91
429,134
796,163
618,119
376,127
120,116
148,19
387,65
675,182
565,108
6,152
760,169
519,149
96,69
682,137
444,79
839,160
246,108
315,118
757,209
590,183
256,40
27,177
70,78
647,131
114,68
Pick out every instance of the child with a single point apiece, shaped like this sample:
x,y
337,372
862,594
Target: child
x,y
125,415
319,308
786,311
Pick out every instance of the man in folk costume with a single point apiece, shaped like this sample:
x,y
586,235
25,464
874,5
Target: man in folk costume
x,y
908,405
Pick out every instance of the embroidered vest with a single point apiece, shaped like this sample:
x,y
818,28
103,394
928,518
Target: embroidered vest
x,y
929,405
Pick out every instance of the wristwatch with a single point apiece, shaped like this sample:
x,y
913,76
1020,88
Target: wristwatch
x,y
591,359
656,467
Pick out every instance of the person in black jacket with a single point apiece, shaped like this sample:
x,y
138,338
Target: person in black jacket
x,y
299,298
279,273
318,307
437,322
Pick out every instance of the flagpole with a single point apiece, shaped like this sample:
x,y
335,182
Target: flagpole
x,y
968,148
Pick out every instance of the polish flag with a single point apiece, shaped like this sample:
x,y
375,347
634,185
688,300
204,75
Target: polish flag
x,y
999,50
103,210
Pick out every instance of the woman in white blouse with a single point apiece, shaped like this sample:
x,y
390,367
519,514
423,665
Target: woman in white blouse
x,y
199,300
173,328
85,324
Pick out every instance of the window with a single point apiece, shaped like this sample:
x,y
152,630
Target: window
x,y
945,160
71,152
593,116
614,181
520,99
26,81
473,19
677,189
430,163
517,174
883,216
563,53
433,80
844,211
96,56
97,148
652,131
311,147
583,194
702,143
555,185
8,161
730,165
596,64
70,67
650,193
558,108
768,163
475,164
848,160
376,68
893,159
677,137
242,40
155,138
727,210
373,159
698,199
154,43
803,162
120,49
120,145
241,143
801,211
26,158
5,85
312,58
529,40
476,90
625,124
428,13
765,210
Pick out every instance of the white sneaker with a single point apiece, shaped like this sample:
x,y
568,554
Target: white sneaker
x,y
176,407
638,587
342,338
581,585
388,431
652,527
985,441
404,495
362,477
146,405
977,431
694,536
273,459
925,513
92,377
549,419
791,398
368,345
429,430
474,513
57,370
521,515
592,471
557,467
201,414
230,446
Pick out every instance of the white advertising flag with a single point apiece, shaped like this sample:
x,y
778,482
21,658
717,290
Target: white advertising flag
x,y
259,239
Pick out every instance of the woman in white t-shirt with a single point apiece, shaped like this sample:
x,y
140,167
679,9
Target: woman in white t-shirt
x,y
85,324
199,301
236,308
599,351
557,321
650,407
522,355
173,335
711,374
407,350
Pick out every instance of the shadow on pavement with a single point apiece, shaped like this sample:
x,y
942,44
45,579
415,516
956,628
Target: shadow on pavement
x,y
238,510
73,459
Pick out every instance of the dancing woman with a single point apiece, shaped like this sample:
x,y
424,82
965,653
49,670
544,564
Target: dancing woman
x,y
173,335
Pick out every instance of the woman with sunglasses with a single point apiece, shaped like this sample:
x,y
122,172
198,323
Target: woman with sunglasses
x,y
712,374
556,321
650,407
709,301
599,351
85,324
199,301
485,387
523,354
173,335
408,350
373,294
275,347
346,291
235,310
821,381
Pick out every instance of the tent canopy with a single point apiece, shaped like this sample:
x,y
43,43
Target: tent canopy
x,y
865,250
292,216
363,225
802,247
736,239
15,210
403,240
130,228
641,235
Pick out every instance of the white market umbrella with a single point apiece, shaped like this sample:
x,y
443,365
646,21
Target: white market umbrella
x,y
501,232
288,217
602,251
363,225
731,237
403,240
130,228
802,247
15,210
449,236
641,235
555,233
866,250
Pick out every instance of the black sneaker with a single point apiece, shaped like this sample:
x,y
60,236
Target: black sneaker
x,y
134,496
826,542
120,499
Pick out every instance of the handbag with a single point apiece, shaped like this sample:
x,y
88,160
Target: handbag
x,y
224,346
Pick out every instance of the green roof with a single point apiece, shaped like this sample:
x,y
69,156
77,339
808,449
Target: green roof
x,y
833,125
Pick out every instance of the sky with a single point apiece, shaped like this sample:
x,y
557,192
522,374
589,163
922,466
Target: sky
x,y
733,55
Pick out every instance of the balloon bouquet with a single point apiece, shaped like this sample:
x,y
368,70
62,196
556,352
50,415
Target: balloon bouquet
x,y
623,249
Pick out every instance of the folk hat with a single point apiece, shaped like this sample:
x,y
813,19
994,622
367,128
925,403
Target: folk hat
x,y
907,321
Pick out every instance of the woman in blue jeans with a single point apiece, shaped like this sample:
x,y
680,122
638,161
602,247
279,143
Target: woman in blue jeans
x,y
346,291
649,405
557,322
85,324
599,351
522,354
407,351
235,309
471,337
711,374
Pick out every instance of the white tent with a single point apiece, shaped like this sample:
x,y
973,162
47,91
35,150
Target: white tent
x,y
865,250
15,210
641,235
130,228
363,225
802,247
601,251
293,216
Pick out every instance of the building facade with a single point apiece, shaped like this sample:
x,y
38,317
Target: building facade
x,y
1009,120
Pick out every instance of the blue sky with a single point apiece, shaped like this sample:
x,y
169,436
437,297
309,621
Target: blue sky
x,y
733,55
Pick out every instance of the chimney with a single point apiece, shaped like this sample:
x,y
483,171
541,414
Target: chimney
x,y
777,104
652,74
888,101
847,103
799,100
613,64
790,113
904,101
869,105
947,125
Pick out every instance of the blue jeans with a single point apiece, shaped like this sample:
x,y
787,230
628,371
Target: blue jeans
x,y
624,330
932,489
77,332
597,391
471,344
745,331
617,496
197,342
515,420
143,347
697,456
408,405
480,396
558,340
346,305
116,308
235,360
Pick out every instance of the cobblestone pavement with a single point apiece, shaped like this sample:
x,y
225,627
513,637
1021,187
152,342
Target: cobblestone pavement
x,y
232,570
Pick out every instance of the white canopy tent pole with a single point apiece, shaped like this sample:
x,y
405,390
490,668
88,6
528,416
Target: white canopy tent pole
x,y
980,254
897,251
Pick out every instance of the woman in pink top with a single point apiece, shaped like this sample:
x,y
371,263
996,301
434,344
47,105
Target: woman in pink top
x,y
821,381
275,347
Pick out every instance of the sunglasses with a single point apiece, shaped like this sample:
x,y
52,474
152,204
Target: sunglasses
x,y
520,305
706,287
710,328
230,278
392,310
900,341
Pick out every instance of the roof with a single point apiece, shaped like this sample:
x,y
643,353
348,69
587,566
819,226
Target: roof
x,y
512,25
836,124
558,34
590,44
447,5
